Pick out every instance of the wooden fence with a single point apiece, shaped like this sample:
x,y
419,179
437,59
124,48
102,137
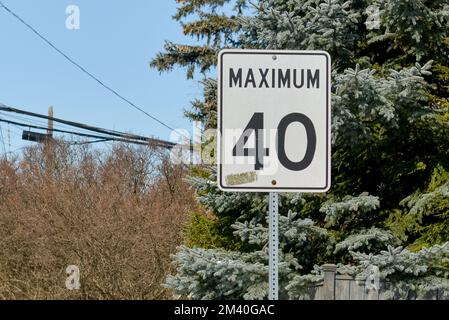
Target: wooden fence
x,y
344,287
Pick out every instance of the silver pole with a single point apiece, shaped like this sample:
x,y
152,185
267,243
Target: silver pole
x,y
273,256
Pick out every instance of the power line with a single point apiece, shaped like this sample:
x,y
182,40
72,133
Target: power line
x,y
101,138
33,121
84,69
90,142
26,125
69,123
122,135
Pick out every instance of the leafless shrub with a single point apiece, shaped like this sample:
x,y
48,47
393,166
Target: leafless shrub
x,y
117,215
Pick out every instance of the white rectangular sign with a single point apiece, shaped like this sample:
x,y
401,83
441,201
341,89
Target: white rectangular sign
x,y
274,119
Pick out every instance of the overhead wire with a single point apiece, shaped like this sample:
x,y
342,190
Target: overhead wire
x,y
31,120
84,70
114,133
8,116
102,138
89,142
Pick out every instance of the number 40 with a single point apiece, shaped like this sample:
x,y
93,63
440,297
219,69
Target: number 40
x,y
256,124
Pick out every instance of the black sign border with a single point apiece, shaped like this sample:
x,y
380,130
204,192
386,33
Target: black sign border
x,y
274,189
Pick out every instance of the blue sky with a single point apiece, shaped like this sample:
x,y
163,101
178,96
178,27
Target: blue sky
x,y
115,42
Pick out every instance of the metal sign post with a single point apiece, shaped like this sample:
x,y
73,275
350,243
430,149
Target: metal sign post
x,y
273,255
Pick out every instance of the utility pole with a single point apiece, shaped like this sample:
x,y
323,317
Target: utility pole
x,y
48,141
50,123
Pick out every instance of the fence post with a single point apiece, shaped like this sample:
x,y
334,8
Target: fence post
x,y
329,281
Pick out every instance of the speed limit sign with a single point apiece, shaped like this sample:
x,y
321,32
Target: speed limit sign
x,y
274,121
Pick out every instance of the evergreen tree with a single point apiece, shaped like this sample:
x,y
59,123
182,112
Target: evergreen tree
x,y
389,202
